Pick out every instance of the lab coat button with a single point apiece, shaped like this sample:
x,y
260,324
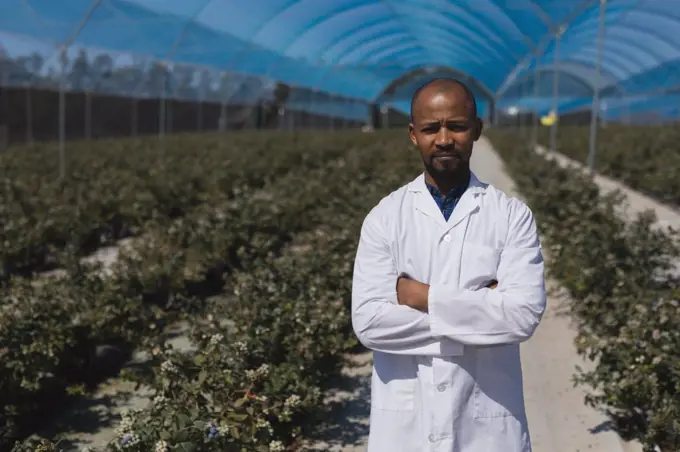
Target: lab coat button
x,y
447,238
432,438
441,387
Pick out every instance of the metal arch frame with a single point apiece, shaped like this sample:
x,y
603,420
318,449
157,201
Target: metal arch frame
x,y
372,24
232,62
403,91
384,49
545,17
412,59
573,56
416,67
544,43
430,26
317,21
407,50
551,69
352,32
576,56
451,19
365,25
588,35
488,93
397,17
494,31
658,92
648,8
451,39
628,47
636,9
446,44
611,63
359,70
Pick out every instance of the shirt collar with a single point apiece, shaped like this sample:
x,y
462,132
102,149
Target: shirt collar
x,y
455,192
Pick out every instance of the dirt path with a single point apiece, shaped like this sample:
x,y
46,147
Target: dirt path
x,y
558,419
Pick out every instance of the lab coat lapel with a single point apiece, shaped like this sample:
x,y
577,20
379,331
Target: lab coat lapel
x,y
426,205
468,203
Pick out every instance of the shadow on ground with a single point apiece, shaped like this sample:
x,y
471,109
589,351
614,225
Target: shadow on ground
x,y
344,426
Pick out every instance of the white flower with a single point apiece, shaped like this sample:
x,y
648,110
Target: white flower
x,y
125,426
292,401
168,367
216,339
262,423
241,346
161,446
262,371
160,400
276,446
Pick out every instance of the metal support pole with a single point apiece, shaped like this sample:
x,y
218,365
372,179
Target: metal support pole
x,y
29,115
521,114
595,110
537,97
62,119
133,118
88,115
313,111
62,82
556,81
161,113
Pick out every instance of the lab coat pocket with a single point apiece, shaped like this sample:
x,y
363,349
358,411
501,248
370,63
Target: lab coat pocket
x,y
498,388
393,382
478,266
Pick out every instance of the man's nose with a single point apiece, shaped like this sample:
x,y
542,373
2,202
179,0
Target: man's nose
x,y
444,137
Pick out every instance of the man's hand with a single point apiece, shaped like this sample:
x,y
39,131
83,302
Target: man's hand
x,y
412,293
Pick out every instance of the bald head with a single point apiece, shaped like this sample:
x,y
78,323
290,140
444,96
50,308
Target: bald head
x,y
446,86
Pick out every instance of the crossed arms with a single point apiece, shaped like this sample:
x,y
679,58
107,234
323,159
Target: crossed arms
x,y
407,317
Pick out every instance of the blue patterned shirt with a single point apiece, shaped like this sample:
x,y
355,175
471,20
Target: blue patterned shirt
x,y
447,203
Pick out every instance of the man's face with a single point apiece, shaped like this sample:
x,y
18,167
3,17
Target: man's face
x,y
444,128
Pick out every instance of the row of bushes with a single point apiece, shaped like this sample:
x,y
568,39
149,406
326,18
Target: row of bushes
x,y
646,158
293,303
625,295
115,186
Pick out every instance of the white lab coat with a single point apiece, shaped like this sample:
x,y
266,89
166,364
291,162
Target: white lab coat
x,y
449,380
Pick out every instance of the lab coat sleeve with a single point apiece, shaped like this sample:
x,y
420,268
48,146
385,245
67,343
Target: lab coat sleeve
x,y
507,314
378,320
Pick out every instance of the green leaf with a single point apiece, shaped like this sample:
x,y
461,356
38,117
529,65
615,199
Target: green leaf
x,y
187,447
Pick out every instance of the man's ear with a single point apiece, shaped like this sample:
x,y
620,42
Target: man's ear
x,y
480,127
412,134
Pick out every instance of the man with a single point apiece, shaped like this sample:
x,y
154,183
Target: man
x,y
448,280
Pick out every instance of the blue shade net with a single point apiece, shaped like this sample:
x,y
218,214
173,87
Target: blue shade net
x,y
340,56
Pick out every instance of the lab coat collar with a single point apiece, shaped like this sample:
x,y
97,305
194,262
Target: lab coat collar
x,y
467,204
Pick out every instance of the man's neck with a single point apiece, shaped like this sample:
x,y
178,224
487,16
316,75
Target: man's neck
x,y
447,182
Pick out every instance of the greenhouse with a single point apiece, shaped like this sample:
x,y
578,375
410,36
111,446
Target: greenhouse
x,y
184,183
341,58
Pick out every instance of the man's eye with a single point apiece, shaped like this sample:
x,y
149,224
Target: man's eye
x,y
458,128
